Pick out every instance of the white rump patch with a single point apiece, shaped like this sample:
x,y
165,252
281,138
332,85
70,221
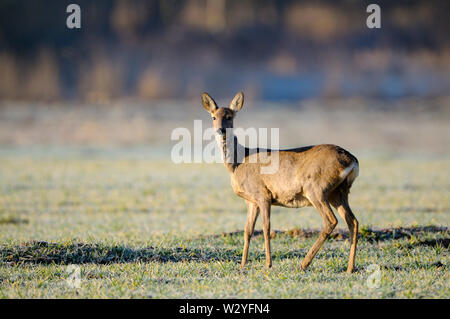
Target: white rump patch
x,y
350,172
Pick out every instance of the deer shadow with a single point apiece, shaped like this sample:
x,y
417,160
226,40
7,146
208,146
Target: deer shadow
x,y
82,253
39,252
369,234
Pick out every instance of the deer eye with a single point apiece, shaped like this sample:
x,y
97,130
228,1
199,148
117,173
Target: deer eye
x,y
213,118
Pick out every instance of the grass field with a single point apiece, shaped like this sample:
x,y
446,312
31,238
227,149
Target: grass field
x,y
143,227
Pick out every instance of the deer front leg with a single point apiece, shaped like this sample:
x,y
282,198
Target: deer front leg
x,y
330,221
265,215
252,215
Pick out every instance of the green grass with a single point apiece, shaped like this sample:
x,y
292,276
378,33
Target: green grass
x,y
149,228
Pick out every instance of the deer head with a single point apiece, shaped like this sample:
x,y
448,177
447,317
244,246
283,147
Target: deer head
x,y
222,116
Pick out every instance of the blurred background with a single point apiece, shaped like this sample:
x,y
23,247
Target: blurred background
x,y
136,69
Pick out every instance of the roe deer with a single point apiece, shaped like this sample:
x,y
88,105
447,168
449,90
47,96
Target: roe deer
x,y
317,175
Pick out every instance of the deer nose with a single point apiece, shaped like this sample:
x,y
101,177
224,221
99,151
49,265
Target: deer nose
x,y
220,131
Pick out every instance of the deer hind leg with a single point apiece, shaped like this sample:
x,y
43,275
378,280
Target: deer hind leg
x,y
264,208
323,207
252,215
340,201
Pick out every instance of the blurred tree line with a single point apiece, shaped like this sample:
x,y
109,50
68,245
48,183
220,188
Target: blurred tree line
x,y
273,49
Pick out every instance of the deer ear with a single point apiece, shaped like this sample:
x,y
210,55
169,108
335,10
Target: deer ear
x,y
208,103
237,102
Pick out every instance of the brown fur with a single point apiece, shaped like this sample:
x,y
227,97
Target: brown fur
x,y
309,176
